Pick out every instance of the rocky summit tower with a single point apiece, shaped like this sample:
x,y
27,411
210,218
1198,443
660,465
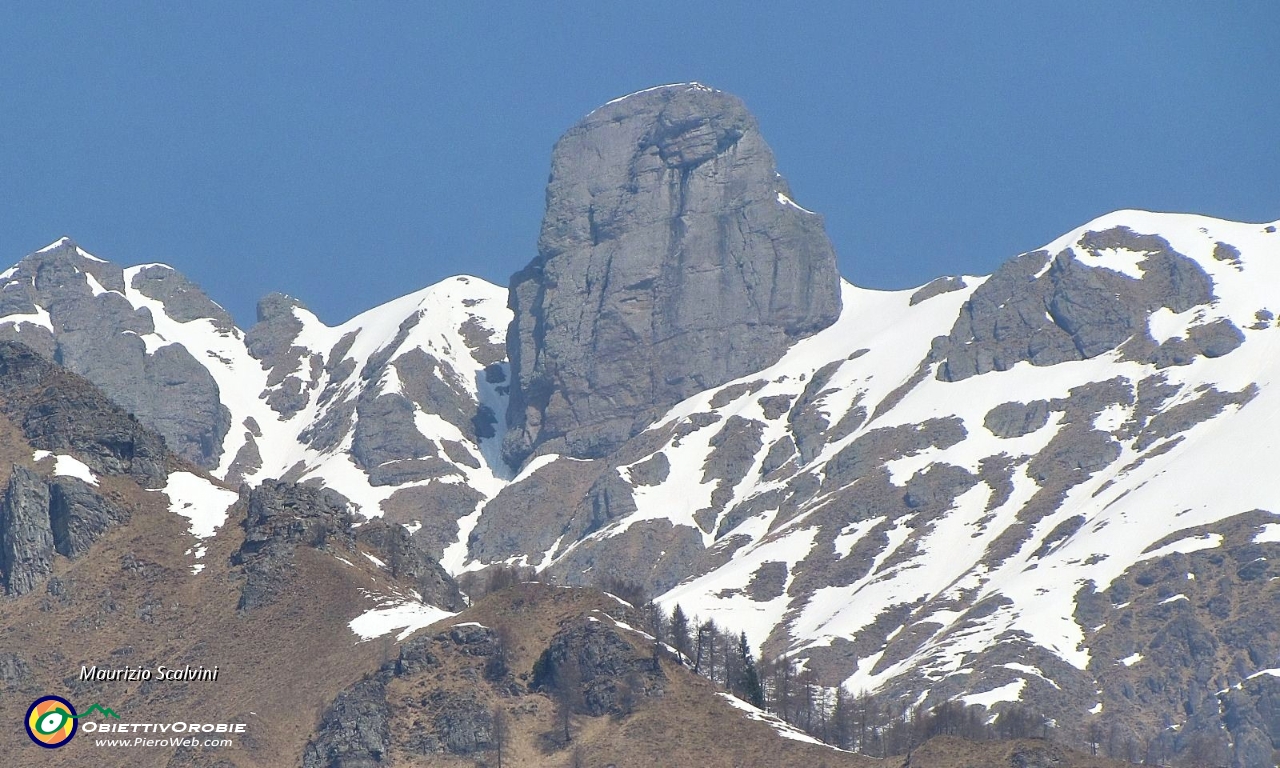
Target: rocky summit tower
x,y
672,259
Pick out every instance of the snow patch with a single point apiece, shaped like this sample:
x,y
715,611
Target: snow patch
x,y
784,729
784,200
1009,692
200,501
1269,533
1165,324
407,616
70,466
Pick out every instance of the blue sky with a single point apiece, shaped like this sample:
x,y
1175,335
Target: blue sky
x,y
349,152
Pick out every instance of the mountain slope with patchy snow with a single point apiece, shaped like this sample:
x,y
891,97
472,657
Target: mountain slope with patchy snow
x,y
1049,485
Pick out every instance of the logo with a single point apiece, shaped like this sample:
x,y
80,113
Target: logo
x,y
51,722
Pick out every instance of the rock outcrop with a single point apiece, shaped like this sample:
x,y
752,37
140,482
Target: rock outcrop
x,y
280,517
408,559
671,260
26,538
354,732
60,412
1049,309
607,674
81,317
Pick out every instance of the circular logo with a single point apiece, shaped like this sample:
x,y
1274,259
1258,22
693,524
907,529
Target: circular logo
x,y
51,721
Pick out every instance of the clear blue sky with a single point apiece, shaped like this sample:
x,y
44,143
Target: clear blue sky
x,y
349,152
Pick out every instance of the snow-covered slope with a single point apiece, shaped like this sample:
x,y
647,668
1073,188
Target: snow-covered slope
x,y
402,399
989,488
1044,485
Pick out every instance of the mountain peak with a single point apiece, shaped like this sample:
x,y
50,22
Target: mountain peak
x,y
67,244
668,221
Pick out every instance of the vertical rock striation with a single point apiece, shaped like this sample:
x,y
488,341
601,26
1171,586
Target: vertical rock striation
x,y
671,260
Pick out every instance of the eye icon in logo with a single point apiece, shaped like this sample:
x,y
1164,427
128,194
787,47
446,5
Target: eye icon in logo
x,y
51,721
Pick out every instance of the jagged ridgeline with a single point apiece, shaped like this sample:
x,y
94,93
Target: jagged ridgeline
x,y
1049,489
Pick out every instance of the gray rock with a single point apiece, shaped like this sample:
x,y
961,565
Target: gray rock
x,y
96,336
354,732
1050,310
931,491
248,460
604,667
289,397
279,517
668,264
328,431
529,516
182,299
78,515
735,391
769,581
774,406
1017,419
733,451
270,340
487,350
1184,416
462,725
436,388
867,454
415,656
1217,338
779,454
26,539
436,507
458,453
937,288
407,559
693,423
276,328
652,553
61,412
15,673
385,432
651,471
1226,252
807,421
608,500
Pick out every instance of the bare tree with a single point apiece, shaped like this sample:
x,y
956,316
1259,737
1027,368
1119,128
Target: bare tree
x,y
680,639
499,664
500,732
567,693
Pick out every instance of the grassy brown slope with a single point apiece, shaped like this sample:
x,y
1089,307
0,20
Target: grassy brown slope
x,y
690,725
133,600
952,752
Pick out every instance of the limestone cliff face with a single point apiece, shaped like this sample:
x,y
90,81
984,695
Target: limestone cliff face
x,y
671,260
100,321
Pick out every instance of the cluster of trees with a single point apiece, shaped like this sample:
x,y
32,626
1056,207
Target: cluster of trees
x,y
873,725
881,725
1208,747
